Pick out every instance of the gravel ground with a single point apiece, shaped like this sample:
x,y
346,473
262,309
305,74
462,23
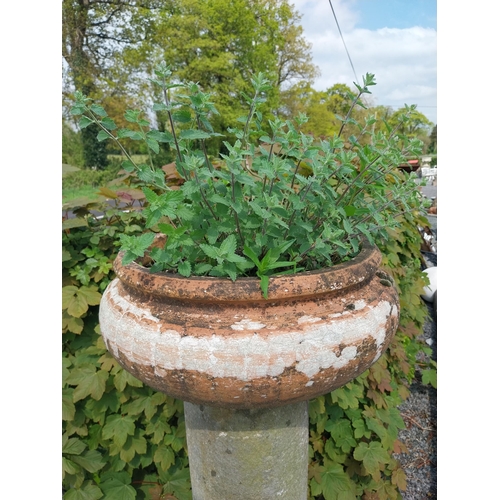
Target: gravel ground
x,y
419,412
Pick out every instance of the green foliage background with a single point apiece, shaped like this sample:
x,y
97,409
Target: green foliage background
x,y
122,440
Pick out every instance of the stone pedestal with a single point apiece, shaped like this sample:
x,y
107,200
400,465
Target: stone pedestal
x,y
248,454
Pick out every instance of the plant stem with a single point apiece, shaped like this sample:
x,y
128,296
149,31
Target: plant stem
x,y
349,113
236,218
172,128
207,161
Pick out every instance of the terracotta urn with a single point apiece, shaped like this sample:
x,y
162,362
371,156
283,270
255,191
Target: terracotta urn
x,y
212,341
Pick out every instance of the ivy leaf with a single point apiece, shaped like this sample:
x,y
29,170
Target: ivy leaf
x,y
74,325
91,460
335,482
377,427
430,377
87,491
341,431
91,295
347,396
68,407
123,378
69,467
134,444
118,487
118,429
177,440
158,429
177,482
77,300
73,446
398,478
164,456
360,429
372,455
89,382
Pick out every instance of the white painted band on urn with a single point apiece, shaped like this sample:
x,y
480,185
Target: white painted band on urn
x,y
137,334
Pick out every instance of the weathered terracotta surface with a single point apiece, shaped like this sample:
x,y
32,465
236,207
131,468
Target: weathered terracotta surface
x,y
217,342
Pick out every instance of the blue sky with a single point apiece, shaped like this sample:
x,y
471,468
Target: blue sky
x,y
394,39
402,14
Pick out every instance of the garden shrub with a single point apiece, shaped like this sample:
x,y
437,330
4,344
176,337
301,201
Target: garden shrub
x,y
123,440
89,177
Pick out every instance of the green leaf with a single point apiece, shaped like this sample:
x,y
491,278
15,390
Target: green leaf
x,y
430,377
73,301
128,166
160,136
159,106
84,122
98,110
157,429
69,467
398,478
118,428
123,378
176,481
372,455
228,246
118,487
131,134
91,460
194,134
181,116
89,382
202,268
74,222
87,491
336,482
210,251
136,444
341,431
184,269
108,123
102,135
91,295
164,456
73,446
68,407
177,438
153,145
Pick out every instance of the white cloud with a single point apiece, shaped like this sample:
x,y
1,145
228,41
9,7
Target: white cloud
x,y
403,60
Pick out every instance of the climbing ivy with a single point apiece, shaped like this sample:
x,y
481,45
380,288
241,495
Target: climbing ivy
x,y
123,440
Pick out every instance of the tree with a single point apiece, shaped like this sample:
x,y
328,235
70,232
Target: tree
x,y
221,44
432,147
95,37
324,109
417,125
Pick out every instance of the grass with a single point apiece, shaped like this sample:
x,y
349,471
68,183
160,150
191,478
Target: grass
x,y
84,183
70,194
